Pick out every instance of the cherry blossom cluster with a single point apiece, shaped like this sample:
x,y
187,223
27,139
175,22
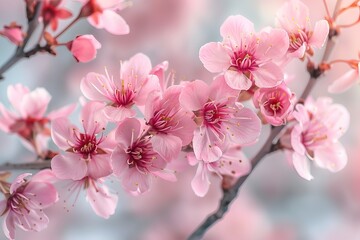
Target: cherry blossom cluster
x,y
99,13
134,126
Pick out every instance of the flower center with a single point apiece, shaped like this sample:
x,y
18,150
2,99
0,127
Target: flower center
x,y
124,97
141,155
276,102
243,61
214,114
85,145
315,134
17,203
297,40
162,122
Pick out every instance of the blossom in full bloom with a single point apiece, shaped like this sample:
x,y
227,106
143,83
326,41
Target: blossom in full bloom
x,y
28,119
14,33
171,126
134,159
84,48
103,14
294,18
346,81
87,152
24,203
133,87
244,56
275,103
51,13
316,136
231,163
221,119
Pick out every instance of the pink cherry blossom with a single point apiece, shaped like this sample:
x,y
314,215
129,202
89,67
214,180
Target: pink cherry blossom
x,y
51,13
294,18
102,14
275,103
171,126
86,153
24,203
133,87
246,57
220,118
315,137
134,159
346,81
28,118
14,33
231,163
84,48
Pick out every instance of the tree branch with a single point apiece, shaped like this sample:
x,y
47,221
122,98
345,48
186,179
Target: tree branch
x,y
32,165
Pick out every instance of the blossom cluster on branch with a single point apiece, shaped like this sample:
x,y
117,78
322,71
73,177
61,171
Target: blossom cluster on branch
x,y
134,126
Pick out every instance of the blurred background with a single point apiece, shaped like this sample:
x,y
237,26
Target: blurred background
x,y
274,204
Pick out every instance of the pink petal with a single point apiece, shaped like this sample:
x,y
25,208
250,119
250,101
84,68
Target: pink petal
x,y
15,94
99,166
135,70
119,160
69,166
332,157
63,13
194,95
136,182
244,128
41,194
299,53
301,114
200,183
149,85
273,43
9,226
96,87
105,4
92,118
34,104
7,119
118,114
166,175
114,23
185,133
204,148
345,82
296,140
235,27
214,57
102,202
127,131
237,80
320,34
168,146
19,181
62,133
34,220
301,166
219,89
62,112
268,75
234,163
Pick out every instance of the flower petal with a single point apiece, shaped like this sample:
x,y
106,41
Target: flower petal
x,y
114,23
214,57
320,34
69,166
200,183
101,201
194,95
332,157
268,75
301,165
237,80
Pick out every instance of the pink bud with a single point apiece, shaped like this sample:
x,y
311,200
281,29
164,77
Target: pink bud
x,y
275,103
84,48
13,33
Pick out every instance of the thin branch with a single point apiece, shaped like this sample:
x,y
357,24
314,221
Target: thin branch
x,y
270,146
19,166
19,54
